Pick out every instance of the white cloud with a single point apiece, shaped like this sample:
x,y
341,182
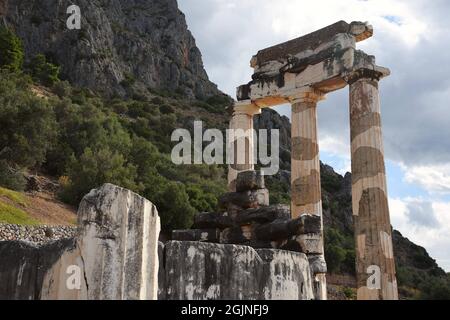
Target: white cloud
x,y
412,38
433,178
435,239
338,150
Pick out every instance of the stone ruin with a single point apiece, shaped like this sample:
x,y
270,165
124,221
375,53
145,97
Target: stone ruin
x,y
116,256
301,72
247,249
245,218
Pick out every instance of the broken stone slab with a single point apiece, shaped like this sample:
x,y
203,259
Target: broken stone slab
x,y
249,180
264,214
207,271
310,243
317,263
245,200
285,229
287,275
236,235
118,242
206,235
211,220
24,267
161,273
299,62
359,30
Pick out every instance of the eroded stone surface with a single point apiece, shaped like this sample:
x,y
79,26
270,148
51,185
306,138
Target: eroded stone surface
x,y
209,220
264,214
280,229
249,180
23,267
245,199
204,235
199,271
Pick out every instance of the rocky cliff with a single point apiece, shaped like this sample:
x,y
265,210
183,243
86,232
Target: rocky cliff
x,y
121,43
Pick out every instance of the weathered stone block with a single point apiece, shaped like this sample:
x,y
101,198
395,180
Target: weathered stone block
x,y
235,235
249,180
317,264
287,275
24,266
204,235
161,273
264,214
200,271
311,41
212,220
118,242
310,243
285,229
246,199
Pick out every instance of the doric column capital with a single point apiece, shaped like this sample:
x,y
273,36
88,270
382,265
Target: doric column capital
x,y
246,107
364,73
307,94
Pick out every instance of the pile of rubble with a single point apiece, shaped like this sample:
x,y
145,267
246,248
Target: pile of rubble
x,y
245,217
35,234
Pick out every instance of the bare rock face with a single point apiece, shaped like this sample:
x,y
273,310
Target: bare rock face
x,y
200,271
120,42
269,119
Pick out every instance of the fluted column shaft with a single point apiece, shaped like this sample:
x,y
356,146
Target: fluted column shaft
x,y
375,266
305,171
241,140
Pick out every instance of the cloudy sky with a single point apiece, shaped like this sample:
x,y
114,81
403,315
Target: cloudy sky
x,y
412,38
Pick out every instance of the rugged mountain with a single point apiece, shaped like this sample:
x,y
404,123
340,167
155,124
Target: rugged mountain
x,y
121,43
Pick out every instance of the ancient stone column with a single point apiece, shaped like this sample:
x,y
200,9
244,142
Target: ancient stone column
x,y
375,267
241,140
305,172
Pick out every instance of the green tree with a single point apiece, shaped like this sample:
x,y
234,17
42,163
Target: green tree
x,y
335,256
11,178
201,199
93,169
43,71
174,208
27,124
11,50
85,126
